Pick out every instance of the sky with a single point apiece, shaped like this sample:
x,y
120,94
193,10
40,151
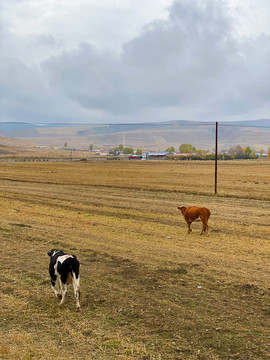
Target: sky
x,y
131,61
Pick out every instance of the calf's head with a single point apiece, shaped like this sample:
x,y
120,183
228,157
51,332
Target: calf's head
x,y
53,251
182,209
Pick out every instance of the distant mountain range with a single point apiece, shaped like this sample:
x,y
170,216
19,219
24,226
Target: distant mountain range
x,y
147,136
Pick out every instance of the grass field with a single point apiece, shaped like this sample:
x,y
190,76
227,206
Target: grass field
x,y
149,290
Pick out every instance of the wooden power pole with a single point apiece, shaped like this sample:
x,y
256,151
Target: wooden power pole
x,y
216,156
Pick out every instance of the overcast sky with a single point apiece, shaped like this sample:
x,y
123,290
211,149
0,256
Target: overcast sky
x,y
103,61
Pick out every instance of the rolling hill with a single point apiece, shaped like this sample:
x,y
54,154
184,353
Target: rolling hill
x,y
147,136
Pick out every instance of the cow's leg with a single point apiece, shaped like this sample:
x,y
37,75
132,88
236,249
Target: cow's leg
x,y
203,223
63,288
204,228
56,293
188,224
53,288
76,287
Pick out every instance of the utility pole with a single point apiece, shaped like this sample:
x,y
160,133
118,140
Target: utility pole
x,y
216,158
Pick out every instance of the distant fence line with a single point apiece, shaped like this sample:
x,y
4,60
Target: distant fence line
x,y
52,159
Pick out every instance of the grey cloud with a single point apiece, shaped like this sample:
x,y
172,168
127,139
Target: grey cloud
x,y
44,39
93,79
22,91
192,62
26,96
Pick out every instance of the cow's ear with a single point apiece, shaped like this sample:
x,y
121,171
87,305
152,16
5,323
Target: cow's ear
x,y
49,253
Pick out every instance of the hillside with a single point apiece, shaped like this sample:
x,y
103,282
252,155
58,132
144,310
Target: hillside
x,y
13,146
151,136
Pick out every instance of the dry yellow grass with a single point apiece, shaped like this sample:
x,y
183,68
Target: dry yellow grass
x,y
149,290
30,153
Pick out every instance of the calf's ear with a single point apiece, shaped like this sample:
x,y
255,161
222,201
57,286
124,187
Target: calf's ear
x,y
49,253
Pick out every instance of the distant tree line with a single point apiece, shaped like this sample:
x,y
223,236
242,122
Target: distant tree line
x,y
117,150
183,148
189,152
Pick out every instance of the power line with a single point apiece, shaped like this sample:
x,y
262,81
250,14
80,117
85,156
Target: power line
x,y
164,123
173,123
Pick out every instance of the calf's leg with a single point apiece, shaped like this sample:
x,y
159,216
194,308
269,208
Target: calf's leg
x,y
205,228
63,288
56,293
76,287
188,224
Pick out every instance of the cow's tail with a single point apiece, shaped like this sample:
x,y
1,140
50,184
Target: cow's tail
x,y
74,267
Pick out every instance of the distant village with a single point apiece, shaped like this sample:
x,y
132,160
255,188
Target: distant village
x,y
186,152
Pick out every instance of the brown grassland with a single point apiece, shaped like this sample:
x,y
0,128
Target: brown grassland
x,y
149,290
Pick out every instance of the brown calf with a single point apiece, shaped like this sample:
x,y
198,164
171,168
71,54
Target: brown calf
x,y
194,212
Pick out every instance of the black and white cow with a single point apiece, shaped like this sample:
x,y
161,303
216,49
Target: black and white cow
x,y
65,269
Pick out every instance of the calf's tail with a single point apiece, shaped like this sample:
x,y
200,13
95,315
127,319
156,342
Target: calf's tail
x,y
73,273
